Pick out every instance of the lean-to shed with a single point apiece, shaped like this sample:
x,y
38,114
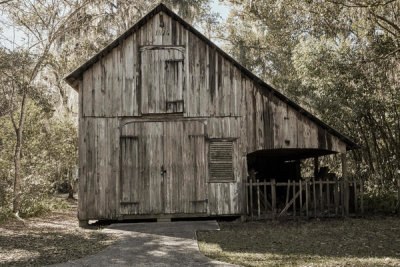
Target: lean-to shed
x,y
167,121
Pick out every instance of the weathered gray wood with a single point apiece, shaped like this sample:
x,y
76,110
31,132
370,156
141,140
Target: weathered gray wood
x,y
165,76
362,195
314,198
301,197
251,199
355,196
294,201
273,196
258,202
307,198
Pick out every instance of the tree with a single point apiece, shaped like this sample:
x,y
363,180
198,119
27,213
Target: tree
x,y
338,58
42,22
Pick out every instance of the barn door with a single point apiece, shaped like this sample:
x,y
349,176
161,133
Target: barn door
x,y
162,79
141,163
163,168
185,165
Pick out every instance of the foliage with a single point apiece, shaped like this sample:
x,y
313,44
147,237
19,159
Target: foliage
x,y
50,147
340,59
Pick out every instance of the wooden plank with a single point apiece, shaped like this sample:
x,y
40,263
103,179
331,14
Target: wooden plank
x,y
336,195
355,196
258,201
287,192
328,194
301,197
307,198
294,201
273,196
314,198
362,195
265,196
285,209
321,197
251,199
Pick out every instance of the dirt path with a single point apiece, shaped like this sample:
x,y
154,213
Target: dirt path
x,y
49,239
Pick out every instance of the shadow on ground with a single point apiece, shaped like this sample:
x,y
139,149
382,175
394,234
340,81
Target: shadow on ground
x,y
375,240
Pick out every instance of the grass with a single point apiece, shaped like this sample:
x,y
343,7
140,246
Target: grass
x,y
51,238
340,242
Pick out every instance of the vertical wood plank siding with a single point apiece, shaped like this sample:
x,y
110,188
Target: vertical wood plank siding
x,y
122,85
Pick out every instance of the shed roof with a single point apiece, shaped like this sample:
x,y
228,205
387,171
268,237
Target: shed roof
x,y
73,78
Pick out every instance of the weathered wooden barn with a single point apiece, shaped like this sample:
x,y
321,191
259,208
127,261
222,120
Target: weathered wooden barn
x,y
170,126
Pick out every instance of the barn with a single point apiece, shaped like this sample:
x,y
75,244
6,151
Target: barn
x,y
171,126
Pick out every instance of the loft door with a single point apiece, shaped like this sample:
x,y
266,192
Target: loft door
x,y
162,79
163,168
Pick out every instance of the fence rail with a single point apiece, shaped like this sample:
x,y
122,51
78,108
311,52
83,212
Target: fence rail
x,y
307,197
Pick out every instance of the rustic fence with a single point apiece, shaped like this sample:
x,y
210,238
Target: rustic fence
x,y
307,197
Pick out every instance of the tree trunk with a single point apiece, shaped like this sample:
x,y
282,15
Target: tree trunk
x,y
17,155
17,172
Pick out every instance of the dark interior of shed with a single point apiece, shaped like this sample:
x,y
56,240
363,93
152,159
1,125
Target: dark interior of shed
x,y
281,165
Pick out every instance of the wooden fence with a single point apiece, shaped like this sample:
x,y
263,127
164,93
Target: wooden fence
x,y
307,197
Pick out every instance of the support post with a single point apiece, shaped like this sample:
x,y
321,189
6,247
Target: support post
x,y
258,200
294,200
336,195
301,198
273,197
316,167
314,198
346,184
251,198
362,195
307,198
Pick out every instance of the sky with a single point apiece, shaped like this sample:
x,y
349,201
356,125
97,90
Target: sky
x,y
8,33
219,7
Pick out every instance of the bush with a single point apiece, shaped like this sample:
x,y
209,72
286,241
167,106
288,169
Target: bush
x,y
383,202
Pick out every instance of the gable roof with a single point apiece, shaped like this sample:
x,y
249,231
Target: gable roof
x,y
73,78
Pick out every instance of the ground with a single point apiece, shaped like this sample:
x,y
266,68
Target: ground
x,y
373,241
52,238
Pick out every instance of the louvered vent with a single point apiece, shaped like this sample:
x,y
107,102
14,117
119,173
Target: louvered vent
x,y
221,167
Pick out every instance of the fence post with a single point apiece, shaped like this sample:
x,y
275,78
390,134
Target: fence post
x,y
251,198
294,200
258,200
314,198
346,183
307,198
301,198
362,195
336,195
355,197
273,197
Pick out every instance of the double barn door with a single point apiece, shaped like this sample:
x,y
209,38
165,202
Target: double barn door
x,y
163,168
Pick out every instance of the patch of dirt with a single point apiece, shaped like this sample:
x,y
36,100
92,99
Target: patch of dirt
x,y
49,239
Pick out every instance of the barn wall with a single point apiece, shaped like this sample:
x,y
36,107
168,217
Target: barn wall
x,y
214,89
